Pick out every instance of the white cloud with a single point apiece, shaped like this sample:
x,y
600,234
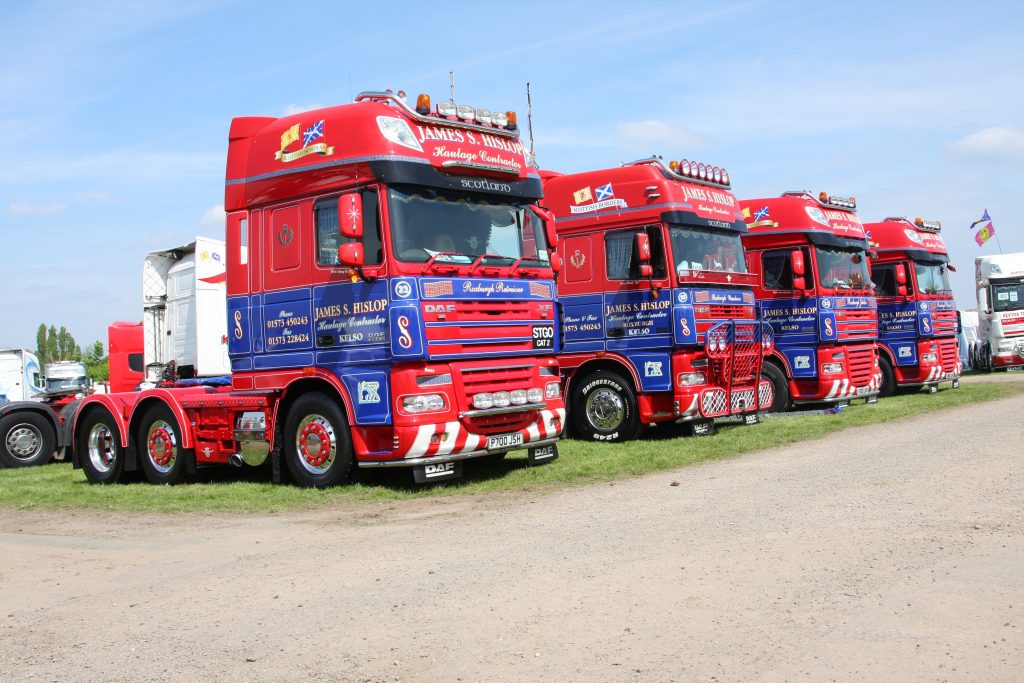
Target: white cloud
x,y
299,108
656,136
214,217
30,209
93,197
126,165
1002,143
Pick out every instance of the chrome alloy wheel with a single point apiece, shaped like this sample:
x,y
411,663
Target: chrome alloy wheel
x,y
24,441
102,449
316,443
605,409
161,446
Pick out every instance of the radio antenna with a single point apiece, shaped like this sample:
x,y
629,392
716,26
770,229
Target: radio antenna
x,y
451,84
529,122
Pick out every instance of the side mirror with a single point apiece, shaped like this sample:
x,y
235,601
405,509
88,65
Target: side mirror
x,y
549,225
796,257
350,215
556,263
646,270
901,276
901,290
351,254
950,268
799,283
643,248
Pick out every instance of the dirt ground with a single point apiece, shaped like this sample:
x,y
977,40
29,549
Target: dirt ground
x,y
893,552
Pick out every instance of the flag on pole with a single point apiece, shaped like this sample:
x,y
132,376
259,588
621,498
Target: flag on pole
x,y
985,233
984,217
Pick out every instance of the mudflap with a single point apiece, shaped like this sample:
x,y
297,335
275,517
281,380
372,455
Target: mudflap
x,y
542,455
703,427
750,418
933,388
442,471
871,400
956,383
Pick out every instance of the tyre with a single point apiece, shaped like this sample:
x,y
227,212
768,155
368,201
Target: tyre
x,y
316,445
888,387
780,388
98,444
159,441
604,408
26,439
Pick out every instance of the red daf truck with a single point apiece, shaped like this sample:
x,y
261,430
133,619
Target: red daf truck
x,y
658,315
917,315
390,303
814,287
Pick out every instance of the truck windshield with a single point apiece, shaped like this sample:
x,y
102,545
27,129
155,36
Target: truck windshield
x,y
454,227
66,384
1008,297
842,268
706,249
932,277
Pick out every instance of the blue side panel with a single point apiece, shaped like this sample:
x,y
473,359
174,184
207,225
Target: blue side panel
x,y
582,323
637,320
802,360
654,369
370,390
924,320
897,329
406,324
239,332
794,321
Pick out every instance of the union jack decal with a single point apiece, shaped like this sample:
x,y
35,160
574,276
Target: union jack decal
x,y
537,289
701,297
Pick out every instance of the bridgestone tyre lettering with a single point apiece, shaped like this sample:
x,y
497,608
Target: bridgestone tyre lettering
x,y
888,387
604,408
26,439
780,388
98,444
316,443
158,441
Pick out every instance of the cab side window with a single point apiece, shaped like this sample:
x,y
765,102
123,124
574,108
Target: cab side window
x,y
621,257
777,269
328,239
884,277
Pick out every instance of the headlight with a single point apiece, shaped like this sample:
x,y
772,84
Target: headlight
x,y
502,399
536,394
831,368
517,397
928,357
483,401
552,390
398,131
423,403
691,378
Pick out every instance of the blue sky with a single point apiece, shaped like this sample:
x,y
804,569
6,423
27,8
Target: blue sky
x,y
114,115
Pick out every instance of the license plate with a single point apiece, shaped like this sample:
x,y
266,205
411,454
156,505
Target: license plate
x,y
504,441
863,390
950,375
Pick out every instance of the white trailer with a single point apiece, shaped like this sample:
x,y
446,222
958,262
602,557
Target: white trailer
x,y
999,282
185,316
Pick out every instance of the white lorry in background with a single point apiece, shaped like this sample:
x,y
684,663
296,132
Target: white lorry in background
x,y
999,281
185,315
968,336
32,426
66,376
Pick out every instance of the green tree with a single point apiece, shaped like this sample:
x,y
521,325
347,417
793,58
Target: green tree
x,y
97,366
53,345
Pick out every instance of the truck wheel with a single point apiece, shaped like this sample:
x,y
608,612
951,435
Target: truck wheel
x,y
888,387
26,439
159,442
317,447
780,388
98,443
604,408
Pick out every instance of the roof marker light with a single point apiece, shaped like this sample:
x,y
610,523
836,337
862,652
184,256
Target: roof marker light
x,y
725,177
446,108
500,120
483,116
423,104
702,171
823,197
717,174
511,120
465,112
673,166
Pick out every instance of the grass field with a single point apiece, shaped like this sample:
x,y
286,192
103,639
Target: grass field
x,y
59,487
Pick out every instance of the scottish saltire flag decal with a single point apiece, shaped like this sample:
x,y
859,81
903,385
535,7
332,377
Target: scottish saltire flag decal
x,y
761,213
314,132
604,192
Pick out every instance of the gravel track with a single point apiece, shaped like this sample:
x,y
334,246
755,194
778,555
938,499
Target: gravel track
x,y
867,554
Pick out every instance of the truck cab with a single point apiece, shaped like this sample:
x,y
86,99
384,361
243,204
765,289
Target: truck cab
x,y
658,315
999,282
390,302
65,377
917,315
809,256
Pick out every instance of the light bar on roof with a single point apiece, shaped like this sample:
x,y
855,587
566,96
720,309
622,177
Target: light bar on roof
x,y
837,201
705,173
929,226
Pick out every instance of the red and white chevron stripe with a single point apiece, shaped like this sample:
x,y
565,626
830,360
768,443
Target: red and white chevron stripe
x,y
455,439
